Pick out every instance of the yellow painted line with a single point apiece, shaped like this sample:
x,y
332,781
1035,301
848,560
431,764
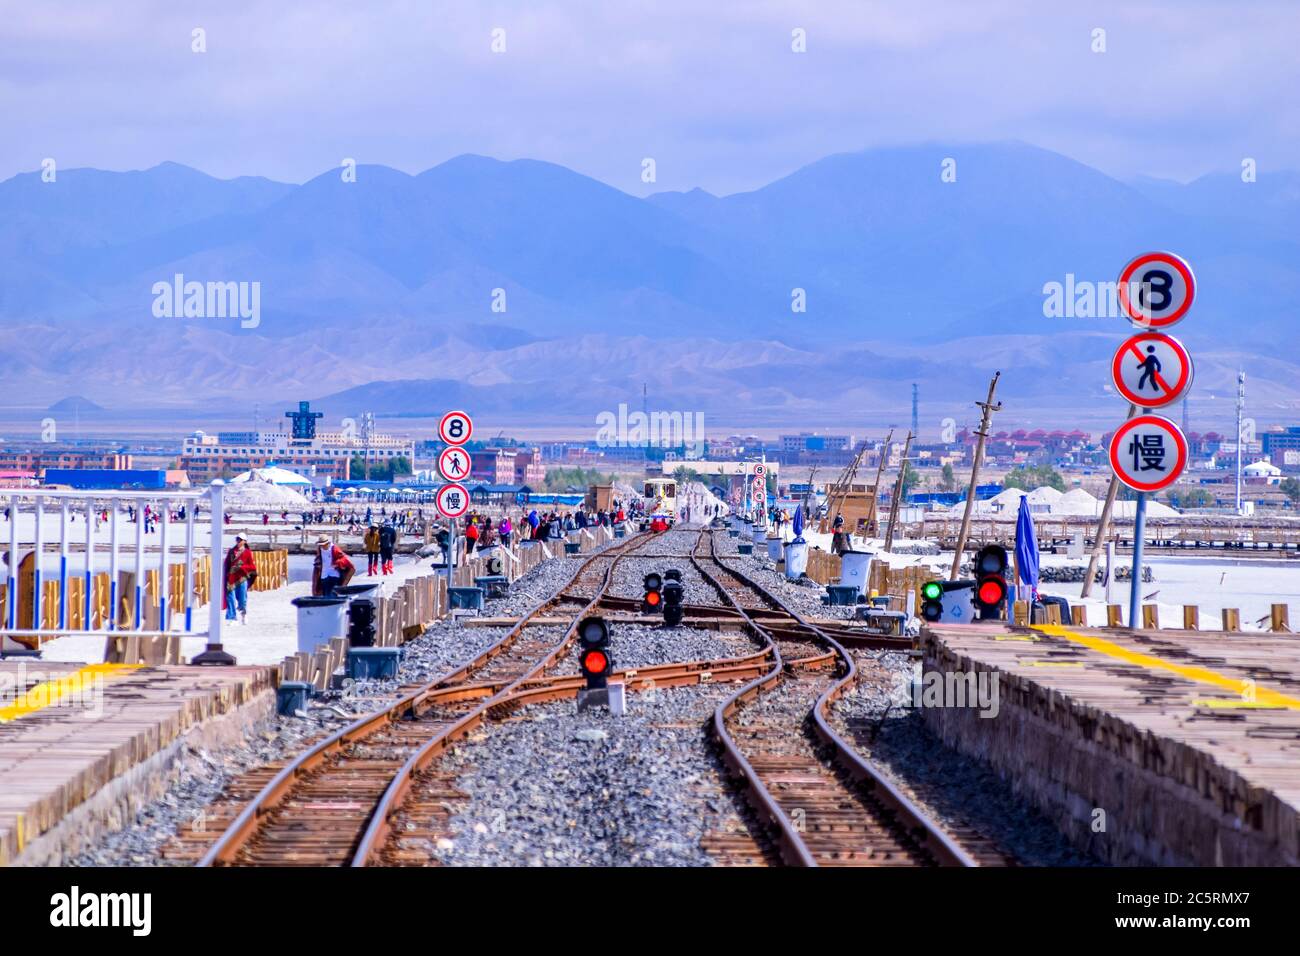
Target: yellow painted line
x,y
1050,663
1245,689
1016,637
50,692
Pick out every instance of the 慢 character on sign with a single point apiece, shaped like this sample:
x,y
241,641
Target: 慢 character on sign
x,y
1148,452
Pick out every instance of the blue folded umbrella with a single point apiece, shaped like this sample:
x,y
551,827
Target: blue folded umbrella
x,y
1026,547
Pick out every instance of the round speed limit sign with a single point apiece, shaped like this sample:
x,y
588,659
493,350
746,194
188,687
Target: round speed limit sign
x,y
1156,289
760,470
455,428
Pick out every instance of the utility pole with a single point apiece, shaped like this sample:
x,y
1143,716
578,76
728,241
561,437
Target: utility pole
x,y
989,407
1103,527
898,493
872,524
916,427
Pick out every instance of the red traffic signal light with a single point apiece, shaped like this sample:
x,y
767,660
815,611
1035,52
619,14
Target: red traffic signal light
x,y
593,659
652,602
990,582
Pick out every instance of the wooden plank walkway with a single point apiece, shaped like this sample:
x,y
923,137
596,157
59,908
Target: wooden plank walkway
x,y
1216,714
55,757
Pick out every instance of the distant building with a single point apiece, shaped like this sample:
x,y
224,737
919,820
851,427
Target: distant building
x,y
494,466
1275,444
40,460
323,455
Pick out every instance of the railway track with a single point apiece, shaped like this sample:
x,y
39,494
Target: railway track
x,y
318,809
826,805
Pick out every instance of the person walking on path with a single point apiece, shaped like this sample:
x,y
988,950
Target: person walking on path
x,y
372,550
505,528
471,537
240,571
331,569
387,546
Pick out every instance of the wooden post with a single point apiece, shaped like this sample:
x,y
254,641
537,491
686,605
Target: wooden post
x,y
989,408
1078,615
1191,617
1151,617
1114,616
1280,618
1231,619
1103,525
872,522
896,503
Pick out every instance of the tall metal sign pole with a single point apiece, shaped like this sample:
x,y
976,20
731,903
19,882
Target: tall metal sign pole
x,y
1149,452
452,499
989,407
1241,407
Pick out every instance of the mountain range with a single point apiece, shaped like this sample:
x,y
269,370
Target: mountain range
x,y
525,289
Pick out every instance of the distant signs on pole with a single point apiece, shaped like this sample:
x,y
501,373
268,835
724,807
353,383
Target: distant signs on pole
x,y
760,470
1148,453
455,428
454,463
1156,289
452,500
1152,369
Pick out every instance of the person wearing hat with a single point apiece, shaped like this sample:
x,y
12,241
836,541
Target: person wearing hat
x,y
331,569
240,571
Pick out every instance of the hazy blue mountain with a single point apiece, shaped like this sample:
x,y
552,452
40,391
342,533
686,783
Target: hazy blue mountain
x,y
391,279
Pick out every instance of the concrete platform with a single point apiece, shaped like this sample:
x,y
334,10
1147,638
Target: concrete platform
x,y
1146,747
83,746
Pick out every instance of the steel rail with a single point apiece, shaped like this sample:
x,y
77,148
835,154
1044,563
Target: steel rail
x,y
245,825
925,831
377,829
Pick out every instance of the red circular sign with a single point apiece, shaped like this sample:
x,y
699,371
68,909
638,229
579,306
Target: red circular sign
x,y
452,500
1151,369
454,463
1165,287
455,428
1148,452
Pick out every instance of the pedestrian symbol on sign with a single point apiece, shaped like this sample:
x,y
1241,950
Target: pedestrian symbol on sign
x,y
1150,367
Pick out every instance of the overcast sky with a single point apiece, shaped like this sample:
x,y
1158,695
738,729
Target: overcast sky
x,y
711,90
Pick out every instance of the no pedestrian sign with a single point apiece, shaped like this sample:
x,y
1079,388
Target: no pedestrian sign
x,y
454,463
1152,369
1148,453
452,500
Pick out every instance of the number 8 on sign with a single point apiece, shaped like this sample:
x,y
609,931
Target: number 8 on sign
x,y
455,428
1156,289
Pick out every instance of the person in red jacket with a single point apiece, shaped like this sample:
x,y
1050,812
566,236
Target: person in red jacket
x,y
471,536
331,569
240,571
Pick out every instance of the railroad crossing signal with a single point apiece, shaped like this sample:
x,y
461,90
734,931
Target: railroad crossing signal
x,y
452,500
990,582
1152,369
1148,452
1156,289
455,428
593,655
454,463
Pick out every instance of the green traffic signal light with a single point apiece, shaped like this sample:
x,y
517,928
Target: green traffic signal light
x,y
932,591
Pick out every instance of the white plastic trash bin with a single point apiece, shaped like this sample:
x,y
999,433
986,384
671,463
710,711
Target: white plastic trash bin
x,y
854,566
774,548
796,559
759,533
319,619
